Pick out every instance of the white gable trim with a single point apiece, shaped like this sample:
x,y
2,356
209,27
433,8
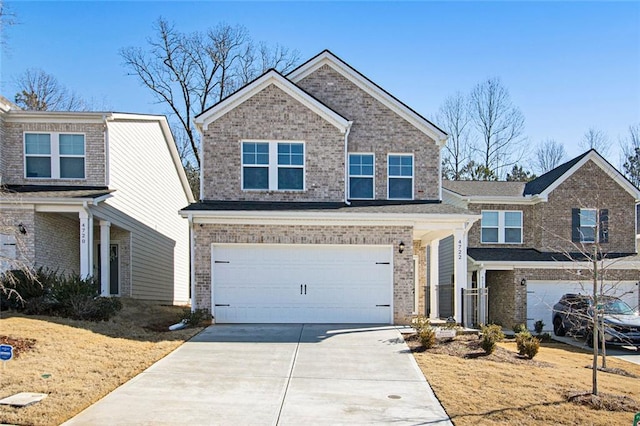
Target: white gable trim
x,y
459,200
604,165
327,58
270,78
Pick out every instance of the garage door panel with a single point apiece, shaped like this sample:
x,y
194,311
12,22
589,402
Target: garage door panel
x,y
303,283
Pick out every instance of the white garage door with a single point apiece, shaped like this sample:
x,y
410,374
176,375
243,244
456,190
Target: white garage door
x,y
263,283
542,295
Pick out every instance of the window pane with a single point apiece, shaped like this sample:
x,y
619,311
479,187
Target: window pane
x,y
588,234
255,153
587,217
513,219
361,188
39,167
401,165
290,178
72,168
71,144
37,143
290,154
400,188
360,165
489,219
489,235
255,178
513,235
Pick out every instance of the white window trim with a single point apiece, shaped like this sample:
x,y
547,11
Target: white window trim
x,y
373,176
595,227
55,155
413,174
273,165
502,228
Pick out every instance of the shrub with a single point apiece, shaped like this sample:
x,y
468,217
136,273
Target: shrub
x,y
26,285
518,328
544,337
194,318
530,347
420,323
522,337
491,334
427,337
538,326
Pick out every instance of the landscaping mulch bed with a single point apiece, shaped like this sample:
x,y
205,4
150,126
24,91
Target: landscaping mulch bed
x,y
604,401
20,346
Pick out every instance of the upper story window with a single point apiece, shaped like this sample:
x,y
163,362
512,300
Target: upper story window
x,y
400,173
501,227
361,176
590,225
273,166
54,155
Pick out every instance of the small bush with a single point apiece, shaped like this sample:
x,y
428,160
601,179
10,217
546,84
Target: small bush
x,y
538,326
491,334
544,337
420,323
194,318
427,337
522,337
518,328
26,285
530,347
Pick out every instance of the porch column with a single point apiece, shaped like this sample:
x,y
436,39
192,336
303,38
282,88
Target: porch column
x,y
86,240
433,279
105,255
459,271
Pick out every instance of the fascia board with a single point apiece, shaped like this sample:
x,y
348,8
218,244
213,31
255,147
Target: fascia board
x,y
327,58
611,171
271,78
526,200
55,117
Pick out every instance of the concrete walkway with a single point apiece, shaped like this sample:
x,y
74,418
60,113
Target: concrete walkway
x,y
277,375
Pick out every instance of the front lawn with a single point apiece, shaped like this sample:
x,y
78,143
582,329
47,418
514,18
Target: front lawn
x,y
503,388
78,362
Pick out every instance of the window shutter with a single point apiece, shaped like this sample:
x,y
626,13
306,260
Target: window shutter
x,y
604,226
575,225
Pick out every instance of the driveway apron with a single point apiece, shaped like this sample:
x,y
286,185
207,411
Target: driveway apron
x,y
277,375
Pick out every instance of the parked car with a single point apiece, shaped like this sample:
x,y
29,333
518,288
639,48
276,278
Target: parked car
x,y
574,312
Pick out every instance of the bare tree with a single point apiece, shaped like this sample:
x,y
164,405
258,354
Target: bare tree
x,y
40,91
453,117
190,72
7,19
630,149
596,139
549,154
499,123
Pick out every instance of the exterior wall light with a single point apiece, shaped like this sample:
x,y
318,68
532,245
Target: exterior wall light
x,y
401,247
523,281
22,229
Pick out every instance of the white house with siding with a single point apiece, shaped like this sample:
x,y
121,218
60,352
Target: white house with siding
x,y
74,182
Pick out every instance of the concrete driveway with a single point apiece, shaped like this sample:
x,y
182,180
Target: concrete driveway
x,y
277,375
629,355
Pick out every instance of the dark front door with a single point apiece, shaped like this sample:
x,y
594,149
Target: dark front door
x,y
114,269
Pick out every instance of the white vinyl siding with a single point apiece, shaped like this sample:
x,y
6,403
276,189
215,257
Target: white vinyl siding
x,y
146,202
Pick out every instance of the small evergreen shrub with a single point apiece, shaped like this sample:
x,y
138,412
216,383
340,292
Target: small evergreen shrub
x,y
538,326
530,347
518,328
194,318
420,323
522,337
491,334
427,337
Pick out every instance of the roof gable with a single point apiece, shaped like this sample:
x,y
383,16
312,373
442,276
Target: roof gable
x,y
328,58
271,77
549,181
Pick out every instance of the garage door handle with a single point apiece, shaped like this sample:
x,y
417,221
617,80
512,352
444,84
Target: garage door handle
x,y
219,304
305,289
383,306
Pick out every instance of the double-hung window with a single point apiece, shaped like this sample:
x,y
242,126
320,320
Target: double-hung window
x,y
501,227
588,223
54,155
361,176
400,174
272,166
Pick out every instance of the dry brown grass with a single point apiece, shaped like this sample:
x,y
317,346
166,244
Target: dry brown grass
x,y
85,360
493,390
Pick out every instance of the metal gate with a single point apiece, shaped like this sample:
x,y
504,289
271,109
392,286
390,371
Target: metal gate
x,y
474,306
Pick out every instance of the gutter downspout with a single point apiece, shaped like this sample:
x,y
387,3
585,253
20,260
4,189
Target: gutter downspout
x,y
192,271
346,164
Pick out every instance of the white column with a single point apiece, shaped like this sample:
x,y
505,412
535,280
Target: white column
x,y
433,278
482,284
86,225
105,256
459,271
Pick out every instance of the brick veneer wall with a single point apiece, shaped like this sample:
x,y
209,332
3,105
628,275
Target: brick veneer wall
x,y
3,156
25,244
57,244
272,115
13,152
421,251
379,130
208,234
529,224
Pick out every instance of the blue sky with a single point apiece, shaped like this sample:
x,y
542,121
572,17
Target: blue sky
x,y
568,65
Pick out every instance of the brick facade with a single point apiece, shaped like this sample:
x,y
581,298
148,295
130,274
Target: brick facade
x,y
13,153
25,243
208,234
57,246
376,129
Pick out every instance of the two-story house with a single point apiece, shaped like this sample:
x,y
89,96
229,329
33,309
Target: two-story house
x,y
534,240
321,201
96,194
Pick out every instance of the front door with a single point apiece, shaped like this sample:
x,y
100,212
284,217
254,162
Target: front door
x,y
114,269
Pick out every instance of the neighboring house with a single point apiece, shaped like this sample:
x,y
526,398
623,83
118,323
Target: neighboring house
x,y
75,182
321,202
528,248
